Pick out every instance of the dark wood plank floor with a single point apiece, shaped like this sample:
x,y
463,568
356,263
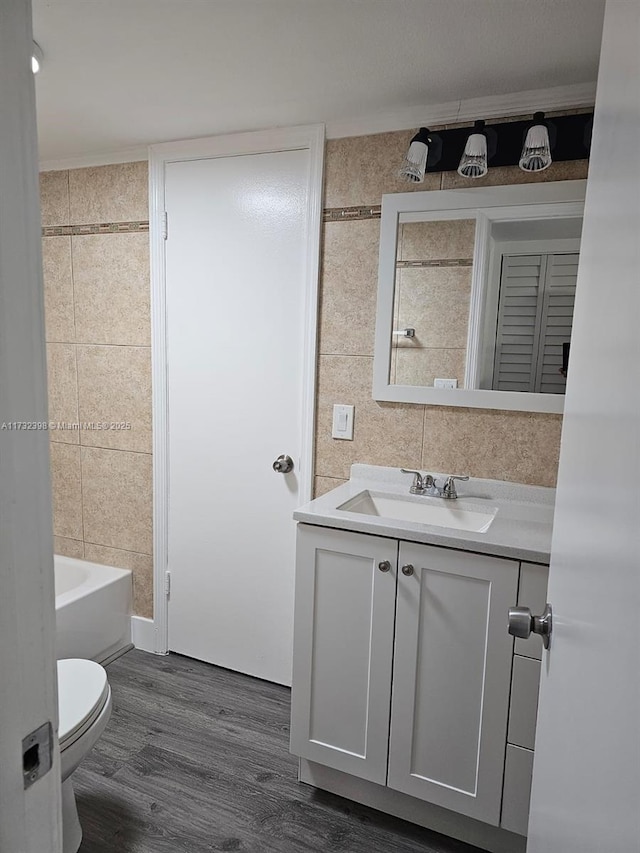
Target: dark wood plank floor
x,y
195,758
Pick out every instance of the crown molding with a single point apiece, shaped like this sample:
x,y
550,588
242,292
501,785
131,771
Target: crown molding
x,y
494,106
104,158
574,96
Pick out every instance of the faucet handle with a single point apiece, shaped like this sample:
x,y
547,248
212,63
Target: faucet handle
x,y
449,489
416,486
421,482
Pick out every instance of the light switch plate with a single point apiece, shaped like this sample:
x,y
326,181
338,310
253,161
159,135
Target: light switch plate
x,y
445,383
342,422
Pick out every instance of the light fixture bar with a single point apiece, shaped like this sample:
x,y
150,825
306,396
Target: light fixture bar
x,y
569,139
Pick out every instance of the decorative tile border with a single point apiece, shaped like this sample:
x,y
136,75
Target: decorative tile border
x,y
344,214
99,228
436,262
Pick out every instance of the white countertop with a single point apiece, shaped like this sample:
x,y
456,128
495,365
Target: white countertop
x,y
521,528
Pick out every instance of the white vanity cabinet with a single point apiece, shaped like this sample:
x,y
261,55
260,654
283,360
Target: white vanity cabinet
x,y
402,666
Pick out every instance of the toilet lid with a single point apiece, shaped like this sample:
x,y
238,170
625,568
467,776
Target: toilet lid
x,y
83,690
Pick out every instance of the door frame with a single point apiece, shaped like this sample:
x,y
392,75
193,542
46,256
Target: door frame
x,y
152,635
31,819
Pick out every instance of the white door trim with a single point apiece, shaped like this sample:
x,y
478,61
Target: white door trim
x,y
31,819
260,142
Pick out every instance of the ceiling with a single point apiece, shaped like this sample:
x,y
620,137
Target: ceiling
x,y
124,73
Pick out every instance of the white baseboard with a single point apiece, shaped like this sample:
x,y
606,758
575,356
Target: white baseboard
x,y
143,633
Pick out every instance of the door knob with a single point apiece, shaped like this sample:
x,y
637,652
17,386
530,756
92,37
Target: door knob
x,y
384,566
522,623
407,570
283,464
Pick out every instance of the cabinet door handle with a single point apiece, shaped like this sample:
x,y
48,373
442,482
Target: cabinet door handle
x,y
384,566
407,570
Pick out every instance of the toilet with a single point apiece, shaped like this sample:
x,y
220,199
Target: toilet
x,y
84,705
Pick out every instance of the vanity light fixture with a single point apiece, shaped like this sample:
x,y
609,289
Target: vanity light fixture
x,y
528,143
424,149
480,146
36,57
536,152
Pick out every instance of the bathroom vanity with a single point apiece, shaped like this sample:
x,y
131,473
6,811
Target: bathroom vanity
x,y
409,694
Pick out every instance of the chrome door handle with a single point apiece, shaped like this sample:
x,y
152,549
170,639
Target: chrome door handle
x,y
407,570
522,623
283,464
384,566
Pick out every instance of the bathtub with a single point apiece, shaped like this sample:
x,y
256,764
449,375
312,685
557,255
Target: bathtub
x,y
93,610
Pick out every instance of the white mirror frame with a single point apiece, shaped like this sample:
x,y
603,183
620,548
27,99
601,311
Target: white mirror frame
x,y
559,199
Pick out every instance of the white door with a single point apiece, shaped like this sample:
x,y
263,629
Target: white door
x,y
586,780
236,273
343,652
30,818
451,678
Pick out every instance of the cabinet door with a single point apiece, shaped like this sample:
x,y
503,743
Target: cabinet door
x,y
452,670
343,648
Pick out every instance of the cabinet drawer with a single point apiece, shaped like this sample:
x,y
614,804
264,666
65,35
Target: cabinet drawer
x,y
523,709
532,594
517,789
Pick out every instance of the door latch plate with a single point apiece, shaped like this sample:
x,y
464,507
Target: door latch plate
x,y
37,750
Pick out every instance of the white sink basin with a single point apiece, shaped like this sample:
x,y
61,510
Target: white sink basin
x,y
424,510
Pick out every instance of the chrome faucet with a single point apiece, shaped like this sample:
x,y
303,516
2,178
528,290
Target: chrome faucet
x,y
424,484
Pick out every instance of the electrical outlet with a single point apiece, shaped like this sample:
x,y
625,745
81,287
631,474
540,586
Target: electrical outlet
x,y
342,422
445,383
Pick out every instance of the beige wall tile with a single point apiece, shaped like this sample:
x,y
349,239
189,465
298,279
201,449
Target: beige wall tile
x,y
117,499
323,485
58,289
358,170
67,491
116,193
115,386
140,564
425,241
435,302
54,198
568,170
349,287
68,547
384,433
112,288
63,390
422,366
521,447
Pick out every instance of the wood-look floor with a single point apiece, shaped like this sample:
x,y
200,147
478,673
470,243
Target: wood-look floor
x,y
195,758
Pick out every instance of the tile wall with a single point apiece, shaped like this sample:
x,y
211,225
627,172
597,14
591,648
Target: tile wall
x,y
432,297
97,316
96,262
516,446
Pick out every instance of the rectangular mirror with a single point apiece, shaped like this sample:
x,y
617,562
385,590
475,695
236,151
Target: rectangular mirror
x,y
475,296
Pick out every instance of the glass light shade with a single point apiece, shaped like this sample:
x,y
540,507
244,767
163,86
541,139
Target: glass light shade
x,y
473,163
536,152
414,164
